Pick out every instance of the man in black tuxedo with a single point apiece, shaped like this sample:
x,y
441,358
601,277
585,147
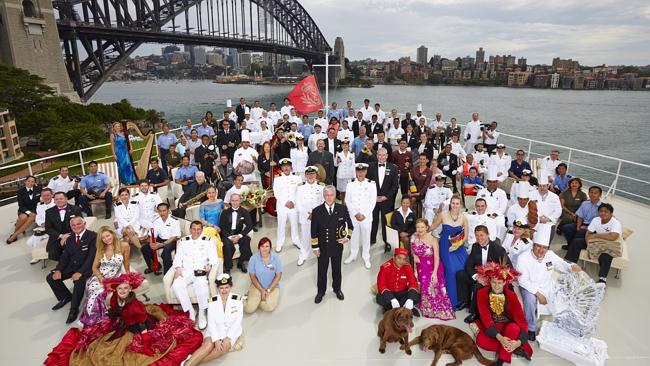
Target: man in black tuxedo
x,y
227,140
374,127
331,228
381,142
241,109
386,178
410,137
448,163
76,262
235,224
358,123
408,121
324,158
57,224
483,251
204,156
332,144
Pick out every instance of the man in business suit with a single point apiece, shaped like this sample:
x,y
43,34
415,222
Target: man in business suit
x,y
241,109
57,224
76,263
358,123
332,144
331,228
374,127
448,162
386,178
235,225
324,158
483,251
381,142
227,140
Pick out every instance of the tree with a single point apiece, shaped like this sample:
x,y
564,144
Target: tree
x,y
152,117
21,91
70,137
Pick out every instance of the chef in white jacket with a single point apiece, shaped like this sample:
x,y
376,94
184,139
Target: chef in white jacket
x,y
536,280
549,207
311,195
496,199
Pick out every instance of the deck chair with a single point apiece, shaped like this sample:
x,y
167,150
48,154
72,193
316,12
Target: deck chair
x,y
40,253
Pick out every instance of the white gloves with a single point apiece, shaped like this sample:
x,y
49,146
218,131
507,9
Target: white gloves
x,y
408,304
394,303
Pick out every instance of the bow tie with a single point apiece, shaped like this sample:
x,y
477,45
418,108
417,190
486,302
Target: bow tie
x,y
62,208
382,165
485,247
30,191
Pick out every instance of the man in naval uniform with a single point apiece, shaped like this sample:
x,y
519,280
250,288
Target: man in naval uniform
x,y
193,261
496,199
437,199
148,204
311,196
284,190
502,161
472,133
360,199
66,184
331,228
481,217
166,232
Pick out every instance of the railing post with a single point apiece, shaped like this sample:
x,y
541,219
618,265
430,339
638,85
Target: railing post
x,y
568,161
29,168
81,162
612,188
530,146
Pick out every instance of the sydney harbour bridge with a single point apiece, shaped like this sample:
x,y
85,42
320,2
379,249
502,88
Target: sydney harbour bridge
x,y
98,34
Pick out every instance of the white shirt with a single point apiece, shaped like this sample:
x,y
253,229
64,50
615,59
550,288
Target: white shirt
x,y
482,158
311,196
322,122
395,135
367,113
233,219
166,229
435,124
502,164
346,168
381,173
497,201
192,254
516,212
484,255
343,134
547,165
536,274
284,188
475,219
256,113
516,188
612,226
299,159
285,110
437,195
128,214
457,149
252,124
514,248
547,205
233,190
473,131
381,116
249,154
491,140
361,197
313,139
265,135
225,322
60,184
40,212
148,204
274,116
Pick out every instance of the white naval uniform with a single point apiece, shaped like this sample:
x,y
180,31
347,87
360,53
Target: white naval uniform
x,y
148,204
367,113
345,171
497,202
249,154
502,164
256,113
60,184
286,109
514,191
35,241
284,190
313,139
166,229
225,322
547,165
299,160
395,135
482,159
536,275
515,247
435,124
549,206
193,255
361,197
475,219
343,134
457,149
265,135
472,135
322,122
434,197
516,212
126,215
274,116
311,195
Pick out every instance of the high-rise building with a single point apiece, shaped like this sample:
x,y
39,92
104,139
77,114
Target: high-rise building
x,y
338,73
569,65
422,55
9,141
555,81
480,56
522,63
435,62
467,63
199,56
245,59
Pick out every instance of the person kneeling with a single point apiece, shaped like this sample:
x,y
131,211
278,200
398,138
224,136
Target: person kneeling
x,y
225,315
194,259
502,324
396,283
265,271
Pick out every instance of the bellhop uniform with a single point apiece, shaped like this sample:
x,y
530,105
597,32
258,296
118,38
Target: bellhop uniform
x,y
311,195
192,255
327,224
361,197
399,284
284,190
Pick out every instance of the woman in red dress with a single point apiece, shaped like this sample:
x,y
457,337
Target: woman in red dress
x,y
134,334
502,322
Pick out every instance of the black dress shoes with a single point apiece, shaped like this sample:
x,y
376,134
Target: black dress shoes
x,y
61,304
339,295
72,316
108,215
416,312
461,306
565,247
242,267
387,248
469,319
521,353
318,298
531,336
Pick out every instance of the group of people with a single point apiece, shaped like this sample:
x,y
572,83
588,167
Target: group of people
x,y
338,189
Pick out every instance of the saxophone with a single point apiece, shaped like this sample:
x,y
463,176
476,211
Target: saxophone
x,y
193,200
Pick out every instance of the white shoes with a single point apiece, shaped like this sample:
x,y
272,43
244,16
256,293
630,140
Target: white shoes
x,y
301,261
203,320
192,314
296,245
367,264
350,260
278,249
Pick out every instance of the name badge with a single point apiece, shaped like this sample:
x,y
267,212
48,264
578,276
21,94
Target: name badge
x,y
402,277
271,267
549,266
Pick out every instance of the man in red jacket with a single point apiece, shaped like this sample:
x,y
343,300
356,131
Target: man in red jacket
x,y
396,283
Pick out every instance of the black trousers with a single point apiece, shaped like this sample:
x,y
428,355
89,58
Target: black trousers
x,y
385,298
466,288
229,250
163,161
490,148
571,232
74,193
451,176
573,254
380,211
147,254
404,184
85,204
61,290
323,265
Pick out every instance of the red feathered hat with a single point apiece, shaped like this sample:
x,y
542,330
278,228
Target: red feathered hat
x,y
134,279
495,270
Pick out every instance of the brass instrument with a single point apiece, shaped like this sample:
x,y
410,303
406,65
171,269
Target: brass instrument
x,y
193,200
321,175
217,173
142,165
291,137
365,150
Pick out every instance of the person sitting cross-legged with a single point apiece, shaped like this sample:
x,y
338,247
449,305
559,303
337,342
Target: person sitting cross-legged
x,y
396,283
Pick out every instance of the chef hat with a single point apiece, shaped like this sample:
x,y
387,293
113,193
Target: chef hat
x,y
229,103
247,110
543,179
419,108
542,235
492,173
245,136
523,190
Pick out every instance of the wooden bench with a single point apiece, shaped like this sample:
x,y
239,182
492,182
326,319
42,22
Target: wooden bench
x,y
619,263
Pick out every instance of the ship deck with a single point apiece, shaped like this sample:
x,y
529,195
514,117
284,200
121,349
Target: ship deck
x,y
334,332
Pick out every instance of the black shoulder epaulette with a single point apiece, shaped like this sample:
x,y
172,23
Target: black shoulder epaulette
x,y
187,237
370,181
41,203
525,240
509,232
204,237
234,297
215,298
136,194
55,178
134,202
118,204
474,213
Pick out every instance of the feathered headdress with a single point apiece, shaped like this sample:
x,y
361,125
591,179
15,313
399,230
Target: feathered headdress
x,y
495,270
132,278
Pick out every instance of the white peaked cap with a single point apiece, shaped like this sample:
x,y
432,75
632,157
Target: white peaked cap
x,y
543,179
523,189
247,111
492,172
419,108
229,103
245,135
542,235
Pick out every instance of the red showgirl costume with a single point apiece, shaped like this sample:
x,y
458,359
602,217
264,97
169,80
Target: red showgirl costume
x,y
500,313
134,334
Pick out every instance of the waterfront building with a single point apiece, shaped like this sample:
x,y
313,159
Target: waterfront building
x,y
9,140
480,56
555,81
422,55
565,66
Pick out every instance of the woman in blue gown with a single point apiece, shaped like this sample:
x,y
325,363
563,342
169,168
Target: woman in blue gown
x,y
210,210
452,238
122,155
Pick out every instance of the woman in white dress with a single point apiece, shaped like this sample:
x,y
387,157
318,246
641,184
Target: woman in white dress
x,y
345,172
127,219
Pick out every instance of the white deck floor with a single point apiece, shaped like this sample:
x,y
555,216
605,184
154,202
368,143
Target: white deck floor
x,y
300,332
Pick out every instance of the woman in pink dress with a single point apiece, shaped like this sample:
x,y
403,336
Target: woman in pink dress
x,y
431,274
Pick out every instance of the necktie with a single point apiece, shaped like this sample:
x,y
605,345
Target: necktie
x,y
330,210
78,240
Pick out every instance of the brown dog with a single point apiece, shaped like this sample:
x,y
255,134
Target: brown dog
x,y
395,327
445,339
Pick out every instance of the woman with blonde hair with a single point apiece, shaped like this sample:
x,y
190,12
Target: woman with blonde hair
x,y
121,149
111,260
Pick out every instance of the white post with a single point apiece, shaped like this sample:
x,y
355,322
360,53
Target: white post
x,y
327,83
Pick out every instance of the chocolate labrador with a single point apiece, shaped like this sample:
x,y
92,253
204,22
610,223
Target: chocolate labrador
x,y
445,339
395,327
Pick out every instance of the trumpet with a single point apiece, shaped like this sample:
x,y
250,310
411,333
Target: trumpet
x,y
193,200
291,137
365,150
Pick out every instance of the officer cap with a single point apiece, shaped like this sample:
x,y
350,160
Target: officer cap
x,y
361,166
285,161
311,169
441,177
501,146
224,279
526,172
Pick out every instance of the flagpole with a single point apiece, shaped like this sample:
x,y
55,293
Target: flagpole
x,y
327,79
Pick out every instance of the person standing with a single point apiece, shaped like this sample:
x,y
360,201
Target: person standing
x,y
331,228
324,158
386,178
472,133
227,140
311,196
361,200
284,189
299,156
122,154
164,140
345,171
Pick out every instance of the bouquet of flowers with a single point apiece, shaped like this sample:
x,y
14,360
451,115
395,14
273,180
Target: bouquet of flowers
x,y
254,196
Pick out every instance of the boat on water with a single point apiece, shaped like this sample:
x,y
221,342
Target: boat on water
x,y
335,332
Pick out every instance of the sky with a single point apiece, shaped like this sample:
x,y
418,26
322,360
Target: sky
x,y
594,32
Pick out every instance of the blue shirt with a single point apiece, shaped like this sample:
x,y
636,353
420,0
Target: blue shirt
x,y
207,130
334,113
477,180
517,168
265,272
165,140
562,182
187,131
588,211
187,174
306,130
98,181
358,144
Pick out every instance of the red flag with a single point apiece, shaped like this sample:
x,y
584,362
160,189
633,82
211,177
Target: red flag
x,y
305,97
